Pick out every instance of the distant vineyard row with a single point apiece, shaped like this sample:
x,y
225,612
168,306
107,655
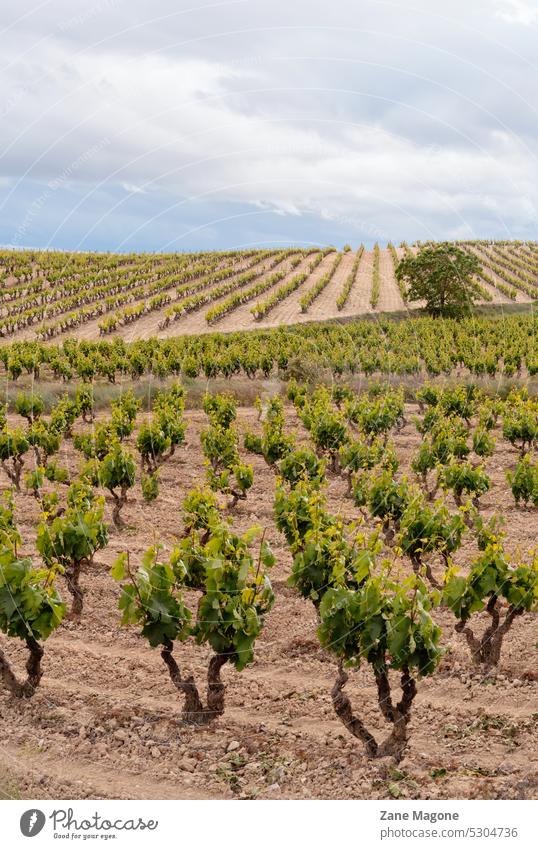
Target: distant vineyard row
x,y
480,345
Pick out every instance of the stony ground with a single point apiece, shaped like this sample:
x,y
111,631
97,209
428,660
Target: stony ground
x,y
106,721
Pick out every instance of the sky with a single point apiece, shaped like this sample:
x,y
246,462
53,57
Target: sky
x,y
193,125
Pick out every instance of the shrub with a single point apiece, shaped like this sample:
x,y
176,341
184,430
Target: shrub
x,y
524,481
491,581
30,609
388,625
71,540
235,595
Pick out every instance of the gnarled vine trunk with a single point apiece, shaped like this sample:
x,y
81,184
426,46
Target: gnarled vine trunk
x,y
14,473
194,710
23,689
72,577
399,714
119,502
487,649
417,562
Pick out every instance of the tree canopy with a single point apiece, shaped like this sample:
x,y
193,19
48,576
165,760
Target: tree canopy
x,y
443,276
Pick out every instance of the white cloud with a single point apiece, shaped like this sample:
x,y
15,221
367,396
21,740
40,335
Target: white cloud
x,y
416,119
517,11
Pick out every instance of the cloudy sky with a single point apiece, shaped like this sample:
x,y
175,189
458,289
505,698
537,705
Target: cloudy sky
x,y
186,124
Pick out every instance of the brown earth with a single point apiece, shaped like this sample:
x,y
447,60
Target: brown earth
x,y
359,298
106,720
390,298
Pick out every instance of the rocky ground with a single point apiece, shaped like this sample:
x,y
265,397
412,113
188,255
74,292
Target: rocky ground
x,y
106,720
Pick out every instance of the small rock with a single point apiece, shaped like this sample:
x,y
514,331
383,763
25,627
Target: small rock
x,y
253,766
155,752
233,746
121,734
187,764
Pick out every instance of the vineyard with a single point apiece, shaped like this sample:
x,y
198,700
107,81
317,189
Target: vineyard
x,y
53,296
477,347
331,592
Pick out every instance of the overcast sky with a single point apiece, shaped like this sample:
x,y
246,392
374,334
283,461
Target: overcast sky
x,y
164,125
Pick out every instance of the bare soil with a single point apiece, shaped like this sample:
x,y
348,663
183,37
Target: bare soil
x,y
106,720
390,299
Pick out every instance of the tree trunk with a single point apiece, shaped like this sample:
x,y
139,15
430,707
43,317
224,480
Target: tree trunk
x,y
14,474
494,635
236,497
396,743
194,711
389,532
23,689
417,563
119,502
215,686
72,577
487,650
344,712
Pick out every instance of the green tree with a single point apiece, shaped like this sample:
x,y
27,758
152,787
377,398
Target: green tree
x,y
442,276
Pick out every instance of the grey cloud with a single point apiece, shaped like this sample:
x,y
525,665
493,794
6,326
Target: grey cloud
x,y
337,119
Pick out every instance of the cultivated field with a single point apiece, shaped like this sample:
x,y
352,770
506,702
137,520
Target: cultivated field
x,y
274,503
56,295
106,720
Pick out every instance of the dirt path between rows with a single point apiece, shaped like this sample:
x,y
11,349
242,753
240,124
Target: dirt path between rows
x,y
288,311
242,318
359,297
390,299
325,304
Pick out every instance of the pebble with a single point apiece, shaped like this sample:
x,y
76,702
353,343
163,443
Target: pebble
x,y
233,746
121,734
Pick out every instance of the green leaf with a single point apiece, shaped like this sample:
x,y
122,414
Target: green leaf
x,y
119,569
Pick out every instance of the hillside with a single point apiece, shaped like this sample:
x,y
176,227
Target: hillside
x,y
54,295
